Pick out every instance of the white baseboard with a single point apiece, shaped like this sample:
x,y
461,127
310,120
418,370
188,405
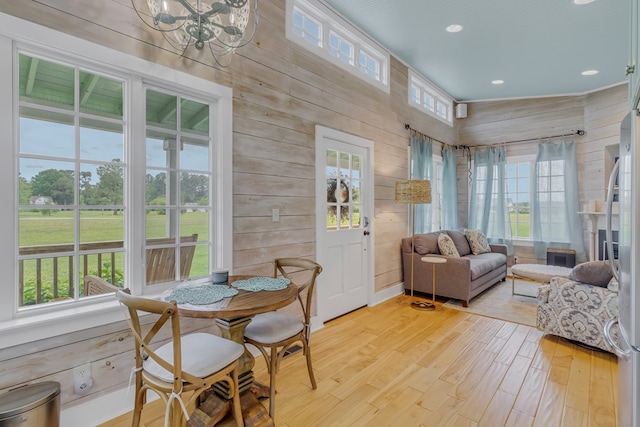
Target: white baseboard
x,y
387,293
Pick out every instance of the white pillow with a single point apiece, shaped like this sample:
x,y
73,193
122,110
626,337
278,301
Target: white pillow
x,y
446,246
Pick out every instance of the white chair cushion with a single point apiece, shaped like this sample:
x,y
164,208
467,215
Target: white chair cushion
x,y
202,355
273,326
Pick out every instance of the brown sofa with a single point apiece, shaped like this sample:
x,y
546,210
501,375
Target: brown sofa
x,y
460,278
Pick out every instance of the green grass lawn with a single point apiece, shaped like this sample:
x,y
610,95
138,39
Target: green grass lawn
x,y
95,226
523,227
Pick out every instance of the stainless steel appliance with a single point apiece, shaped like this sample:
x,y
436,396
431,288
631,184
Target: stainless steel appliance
x,y
627,346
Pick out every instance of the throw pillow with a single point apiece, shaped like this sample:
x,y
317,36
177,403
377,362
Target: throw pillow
x,y
477,241
460,241
426,243
597,273
446,245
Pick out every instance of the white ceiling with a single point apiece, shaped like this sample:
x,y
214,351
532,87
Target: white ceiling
x,y
538,47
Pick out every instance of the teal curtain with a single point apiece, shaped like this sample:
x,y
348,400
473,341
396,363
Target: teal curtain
x,y
422,168
555,205
489,209
449,208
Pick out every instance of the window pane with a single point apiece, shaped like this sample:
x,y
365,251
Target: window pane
x,y
102,184
355,218
195,154
194,190
100,95
46,133
105,223
344,164
161,109
101,140
340,48
46,83
50,182
332,163
415,94
356,166
355,191
194,117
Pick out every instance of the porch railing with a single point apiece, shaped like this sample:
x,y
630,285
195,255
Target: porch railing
x,y
97,258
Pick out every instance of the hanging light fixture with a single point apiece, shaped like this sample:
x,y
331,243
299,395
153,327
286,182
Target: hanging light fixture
x,y
222,26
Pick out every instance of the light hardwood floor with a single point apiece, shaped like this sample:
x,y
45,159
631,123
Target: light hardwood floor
x,y
390,365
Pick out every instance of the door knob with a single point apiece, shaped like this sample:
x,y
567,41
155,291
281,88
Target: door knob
x,y
366,232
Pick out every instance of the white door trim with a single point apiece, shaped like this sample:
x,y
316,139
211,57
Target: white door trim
x,y
321,223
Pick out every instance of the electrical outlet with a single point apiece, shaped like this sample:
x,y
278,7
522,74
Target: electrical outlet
x,y
82,371
82,380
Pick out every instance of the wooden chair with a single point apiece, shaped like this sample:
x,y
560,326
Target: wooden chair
x,y
189,363
277,330
161,262
94,285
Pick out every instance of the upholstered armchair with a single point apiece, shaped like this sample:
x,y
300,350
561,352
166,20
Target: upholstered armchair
x,y
577,311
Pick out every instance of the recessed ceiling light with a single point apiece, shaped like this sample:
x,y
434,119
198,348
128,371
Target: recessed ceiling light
x,y
454,28
580,2
590,72
497,82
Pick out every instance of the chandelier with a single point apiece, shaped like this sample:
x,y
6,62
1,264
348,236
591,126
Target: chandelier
x,y
222,26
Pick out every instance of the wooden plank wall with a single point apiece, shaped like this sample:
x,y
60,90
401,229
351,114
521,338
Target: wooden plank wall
x,y
598,113
281,92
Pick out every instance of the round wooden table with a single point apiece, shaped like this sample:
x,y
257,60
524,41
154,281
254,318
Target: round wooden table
x,y
232,320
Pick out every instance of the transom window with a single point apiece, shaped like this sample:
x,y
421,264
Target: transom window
x,y
426,97
314,26
306,27
340,48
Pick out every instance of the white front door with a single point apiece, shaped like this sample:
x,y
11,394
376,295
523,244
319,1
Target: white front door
x,y
344,201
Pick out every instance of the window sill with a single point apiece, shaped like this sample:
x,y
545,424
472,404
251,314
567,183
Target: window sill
x,y
528,243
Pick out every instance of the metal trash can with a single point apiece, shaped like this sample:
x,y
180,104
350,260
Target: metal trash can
x,y
33,405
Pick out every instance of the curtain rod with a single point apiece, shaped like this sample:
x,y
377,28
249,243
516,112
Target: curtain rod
x,y
424,136
578,132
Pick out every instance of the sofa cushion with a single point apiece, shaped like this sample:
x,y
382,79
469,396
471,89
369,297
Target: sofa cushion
x,y
427,243
462,245
477,241
484,263
597,273
446,245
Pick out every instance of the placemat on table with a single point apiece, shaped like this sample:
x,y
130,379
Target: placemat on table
x,y
256,284
200,295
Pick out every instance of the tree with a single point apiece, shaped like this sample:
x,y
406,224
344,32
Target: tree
x,y
155,186
25,190
86,188
194,187
110,187
56,183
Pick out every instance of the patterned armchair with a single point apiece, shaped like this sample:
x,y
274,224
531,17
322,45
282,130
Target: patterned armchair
x,y
577,311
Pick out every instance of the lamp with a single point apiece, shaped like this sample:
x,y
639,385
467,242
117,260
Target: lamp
x,y
413,192
222,25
